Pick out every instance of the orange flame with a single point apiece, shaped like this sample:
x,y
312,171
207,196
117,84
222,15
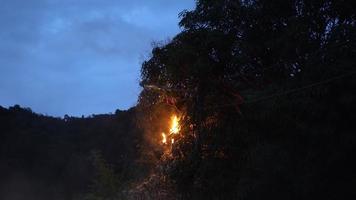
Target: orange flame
x,y
164,138
174,125
173,130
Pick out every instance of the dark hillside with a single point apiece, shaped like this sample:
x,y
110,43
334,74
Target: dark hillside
x,y
43,157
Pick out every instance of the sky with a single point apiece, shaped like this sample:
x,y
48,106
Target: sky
x,y
79,57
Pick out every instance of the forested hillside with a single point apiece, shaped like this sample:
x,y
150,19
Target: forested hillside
x,y
43,157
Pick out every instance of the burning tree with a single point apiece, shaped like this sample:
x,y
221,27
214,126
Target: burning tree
x,y
231,56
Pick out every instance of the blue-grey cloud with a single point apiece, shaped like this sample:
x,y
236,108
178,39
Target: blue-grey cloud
x,y
79,56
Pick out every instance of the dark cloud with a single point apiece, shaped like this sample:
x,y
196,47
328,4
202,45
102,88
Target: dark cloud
x,y
79,56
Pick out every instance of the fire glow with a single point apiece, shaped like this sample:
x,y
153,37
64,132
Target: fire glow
x,y
173,130
164,138
174,125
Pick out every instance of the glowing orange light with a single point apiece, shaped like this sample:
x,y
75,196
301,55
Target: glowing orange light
x,y
164,138
174,125
173,130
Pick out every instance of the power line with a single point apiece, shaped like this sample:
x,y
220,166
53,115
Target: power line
x,y
292,90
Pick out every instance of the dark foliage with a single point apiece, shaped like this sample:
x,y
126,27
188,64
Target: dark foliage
x,y
44,157
267,89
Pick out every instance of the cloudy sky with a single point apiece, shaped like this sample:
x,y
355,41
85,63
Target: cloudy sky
x,y
79,57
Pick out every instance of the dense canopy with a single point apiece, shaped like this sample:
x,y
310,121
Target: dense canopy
x,y
264,88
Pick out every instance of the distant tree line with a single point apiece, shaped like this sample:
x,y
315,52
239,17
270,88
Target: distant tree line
x,y
43,157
